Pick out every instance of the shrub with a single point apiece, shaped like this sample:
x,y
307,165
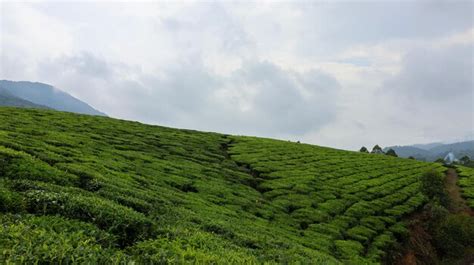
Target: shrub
x,y
347,249
381,242
465,160
360,233
10,201
391,152
122,221
454,235
18,165
196,247
432,186
52,240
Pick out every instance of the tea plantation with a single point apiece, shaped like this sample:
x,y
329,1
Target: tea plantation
x,y
466,182
84,189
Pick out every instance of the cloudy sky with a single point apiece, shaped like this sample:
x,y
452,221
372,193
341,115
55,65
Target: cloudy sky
x,y
340,74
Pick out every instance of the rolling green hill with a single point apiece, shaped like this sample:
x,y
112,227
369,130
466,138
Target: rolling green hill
x,y
77,188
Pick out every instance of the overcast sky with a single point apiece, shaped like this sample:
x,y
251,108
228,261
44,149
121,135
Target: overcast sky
x,y
342,74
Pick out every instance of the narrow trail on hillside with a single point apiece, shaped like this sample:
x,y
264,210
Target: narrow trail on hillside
x,y
457,203
419,249
255,178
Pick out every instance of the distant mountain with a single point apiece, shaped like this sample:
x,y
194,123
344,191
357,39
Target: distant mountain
x,y
427,146
45,95
407,151
458,149
431,152
7,99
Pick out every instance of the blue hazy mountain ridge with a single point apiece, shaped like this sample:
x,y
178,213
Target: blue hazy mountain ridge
x,y
47,95
427,146
436,151
7,99
407,151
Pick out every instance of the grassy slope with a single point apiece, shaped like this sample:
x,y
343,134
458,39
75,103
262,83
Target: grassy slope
x,y
130,191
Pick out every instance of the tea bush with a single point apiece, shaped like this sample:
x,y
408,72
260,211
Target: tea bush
x,y
466,182
32,240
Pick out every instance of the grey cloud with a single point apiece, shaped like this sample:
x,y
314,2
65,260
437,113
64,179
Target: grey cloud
x,y
84,63
432,96
87,64
282,102
12,67
434,75
210,25
188,95
375,21
343,24
181,90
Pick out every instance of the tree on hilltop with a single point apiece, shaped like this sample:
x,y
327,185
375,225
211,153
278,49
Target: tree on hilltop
x,y
391,152
465,160
363,149
377,150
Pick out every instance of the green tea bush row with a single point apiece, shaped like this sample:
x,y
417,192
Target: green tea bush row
x,y
466,182
40,240
371,192
128,224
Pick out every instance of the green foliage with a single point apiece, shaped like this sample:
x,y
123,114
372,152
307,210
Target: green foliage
x,y
432,186
364,203
120,220
10,201
83,189
454,235
465,160
32,240
363,149
380,243
391,152
347,249
466,182
377,150
192,247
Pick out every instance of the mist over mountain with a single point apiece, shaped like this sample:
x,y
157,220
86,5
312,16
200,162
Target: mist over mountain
x,y
427,146
7,99
433,151
34,94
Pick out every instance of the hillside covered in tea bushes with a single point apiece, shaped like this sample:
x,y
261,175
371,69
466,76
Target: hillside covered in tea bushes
x,y
77,188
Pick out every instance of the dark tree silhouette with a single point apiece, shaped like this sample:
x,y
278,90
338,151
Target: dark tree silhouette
x,y
377,150
391,152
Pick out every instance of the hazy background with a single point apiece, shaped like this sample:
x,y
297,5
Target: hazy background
x,y
344,74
